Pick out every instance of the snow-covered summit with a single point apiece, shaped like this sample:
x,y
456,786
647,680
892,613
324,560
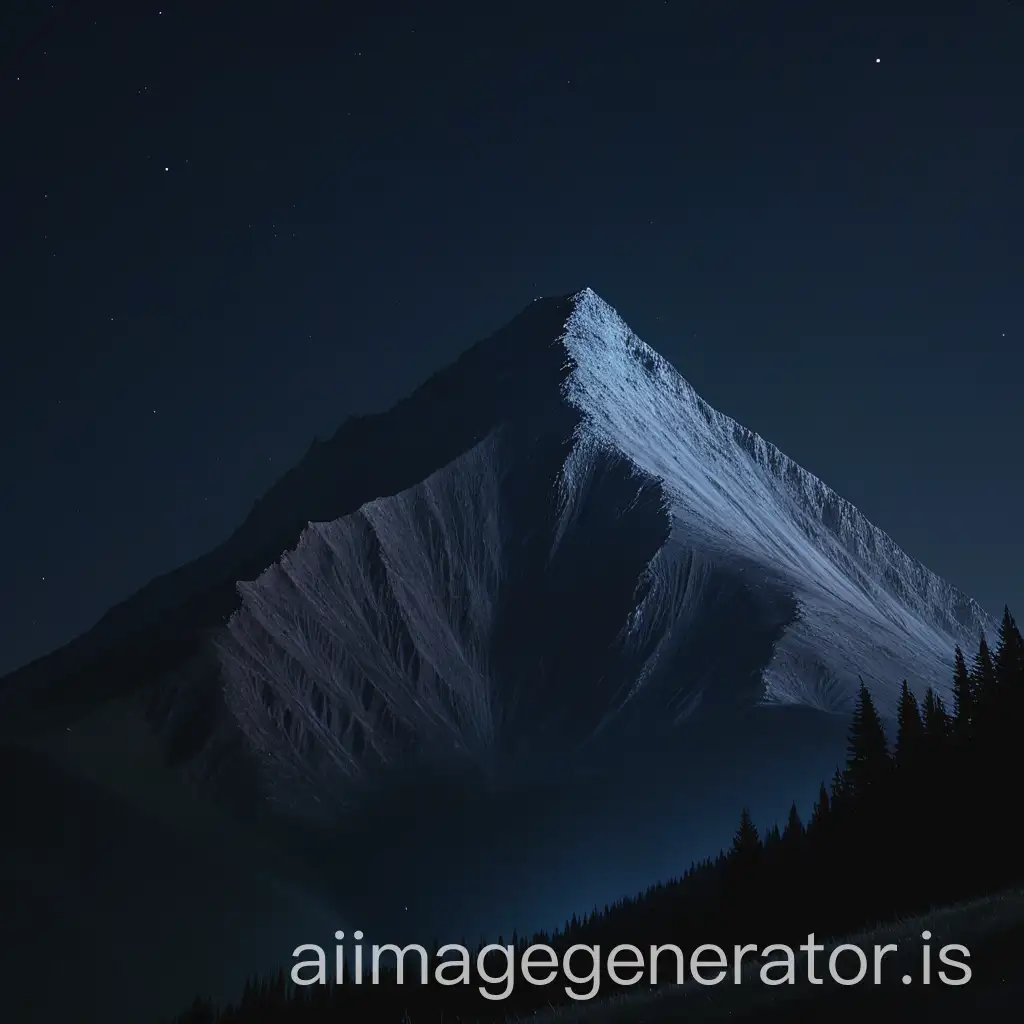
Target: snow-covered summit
x,y
740,498
605,557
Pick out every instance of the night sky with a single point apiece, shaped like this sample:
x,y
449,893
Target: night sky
x,y
224,233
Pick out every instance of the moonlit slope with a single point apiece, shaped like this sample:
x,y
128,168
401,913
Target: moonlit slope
x,y
865,606
611,557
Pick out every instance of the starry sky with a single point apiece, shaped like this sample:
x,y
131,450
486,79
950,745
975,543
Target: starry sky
x,y
225,232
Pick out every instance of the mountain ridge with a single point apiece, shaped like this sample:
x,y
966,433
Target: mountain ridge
x,y
845,521
382,637
611,394
242,554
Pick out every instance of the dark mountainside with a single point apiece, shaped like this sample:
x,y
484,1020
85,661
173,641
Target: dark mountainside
x,y
439,421
517,646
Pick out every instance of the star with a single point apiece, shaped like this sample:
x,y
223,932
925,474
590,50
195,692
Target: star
x,y
878,60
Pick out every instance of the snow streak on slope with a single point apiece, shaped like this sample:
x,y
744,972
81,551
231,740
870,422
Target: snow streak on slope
x,y
615,555
865,606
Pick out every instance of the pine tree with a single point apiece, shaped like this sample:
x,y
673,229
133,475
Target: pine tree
x,y
794,826
746,842
935,720
983,694
839,788
963,696
867,750
909,727
822,806
1008,666
984,674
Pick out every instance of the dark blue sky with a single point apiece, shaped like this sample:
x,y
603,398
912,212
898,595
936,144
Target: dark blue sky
x,y
224,233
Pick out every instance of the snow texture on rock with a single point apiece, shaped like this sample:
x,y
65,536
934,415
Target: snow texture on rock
x,y
611,557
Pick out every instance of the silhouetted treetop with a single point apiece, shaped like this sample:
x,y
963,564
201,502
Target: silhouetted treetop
x,y
746,842
909,726
867,750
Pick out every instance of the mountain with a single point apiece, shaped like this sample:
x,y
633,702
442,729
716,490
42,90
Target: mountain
x,y
550,619
608,553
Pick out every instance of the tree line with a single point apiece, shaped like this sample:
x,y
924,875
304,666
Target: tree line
x,y
919,819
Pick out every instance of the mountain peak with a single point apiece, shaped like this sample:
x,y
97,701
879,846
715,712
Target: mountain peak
x,y
621,526
552,540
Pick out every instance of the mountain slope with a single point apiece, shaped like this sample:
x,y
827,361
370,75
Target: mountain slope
x,y
865,606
